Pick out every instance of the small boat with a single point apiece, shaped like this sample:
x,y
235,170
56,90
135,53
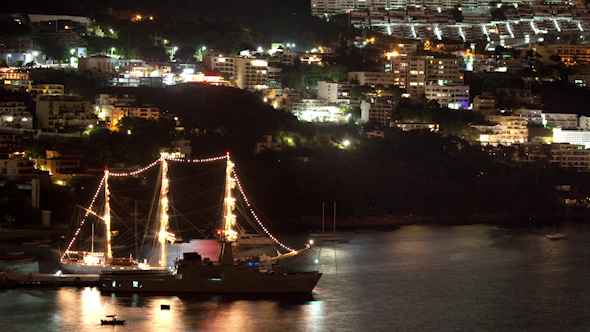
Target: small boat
x,y
555,236
112,321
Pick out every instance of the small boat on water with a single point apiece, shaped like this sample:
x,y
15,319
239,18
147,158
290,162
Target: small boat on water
x,y
555,236
112,321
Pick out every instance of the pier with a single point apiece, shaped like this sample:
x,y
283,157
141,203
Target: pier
x,y
54,279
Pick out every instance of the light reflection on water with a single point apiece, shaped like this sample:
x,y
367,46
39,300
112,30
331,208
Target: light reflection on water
x,y
416,278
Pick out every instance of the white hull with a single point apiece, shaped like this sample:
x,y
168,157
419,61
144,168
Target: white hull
x,y
254,240
556,236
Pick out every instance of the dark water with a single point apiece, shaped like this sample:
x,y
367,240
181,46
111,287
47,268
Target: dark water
x,y
416,278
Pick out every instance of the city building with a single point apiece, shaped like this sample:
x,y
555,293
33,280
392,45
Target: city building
x,y
582,80
486,100
58,112
319,111
580,137
14,114
560,120
407,126
454,97
268,142
336,92
17,165
533,117
565,155
444,71
376,109
46,90
503,130
61,164
98,66
112,108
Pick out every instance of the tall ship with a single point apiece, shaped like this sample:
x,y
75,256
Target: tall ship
x,y
95,253
192,273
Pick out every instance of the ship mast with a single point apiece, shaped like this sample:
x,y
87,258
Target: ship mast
x,y
228,235
163,235
107,215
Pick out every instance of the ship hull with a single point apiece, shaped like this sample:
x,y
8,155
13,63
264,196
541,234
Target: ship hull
x,y
72,268
238,278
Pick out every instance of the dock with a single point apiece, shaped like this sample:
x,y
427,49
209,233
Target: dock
x,y
54,279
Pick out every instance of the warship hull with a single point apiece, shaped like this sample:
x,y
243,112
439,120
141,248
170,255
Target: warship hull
x,y
197,276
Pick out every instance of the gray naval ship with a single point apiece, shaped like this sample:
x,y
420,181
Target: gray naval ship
x,y
192,274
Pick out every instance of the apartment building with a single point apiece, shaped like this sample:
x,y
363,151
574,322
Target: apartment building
x,y
486,100
14,114
532,116
329,7
113,108
376,109
454,97
504,130
560,120
268,142
581,137
248,73
444,71
57,112
46,90
582,80
61,163
336,92
99,66
565,155
572,53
